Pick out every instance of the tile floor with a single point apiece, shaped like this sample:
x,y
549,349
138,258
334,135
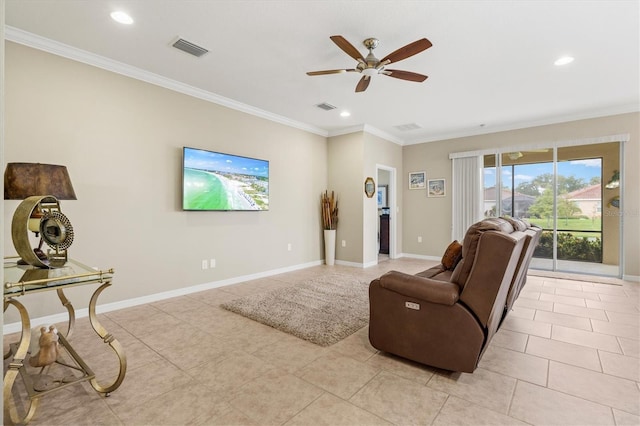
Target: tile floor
x,y
568,354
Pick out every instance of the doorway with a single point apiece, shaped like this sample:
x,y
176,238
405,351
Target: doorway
x,y
386,212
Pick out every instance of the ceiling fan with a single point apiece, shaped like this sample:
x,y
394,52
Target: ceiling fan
x,y
519,154
371,65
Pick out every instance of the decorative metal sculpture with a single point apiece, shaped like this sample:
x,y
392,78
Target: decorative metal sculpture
x,y
49,348
42,215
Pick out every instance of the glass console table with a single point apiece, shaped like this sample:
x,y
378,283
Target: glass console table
x,y
21,280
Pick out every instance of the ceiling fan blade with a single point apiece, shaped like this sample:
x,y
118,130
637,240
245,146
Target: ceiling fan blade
x,y
347,47
405,75
407,51
330,71
363,84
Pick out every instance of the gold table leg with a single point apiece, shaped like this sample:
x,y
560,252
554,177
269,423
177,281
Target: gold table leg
x,y
72,314
109,339
15,365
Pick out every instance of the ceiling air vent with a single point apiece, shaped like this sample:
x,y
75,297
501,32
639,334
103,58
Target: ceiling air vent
x,y
407,127
190,48
325,106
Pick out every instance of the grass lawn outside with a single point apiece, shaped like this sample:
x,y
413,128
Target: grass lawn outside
x,y
577,239
571,224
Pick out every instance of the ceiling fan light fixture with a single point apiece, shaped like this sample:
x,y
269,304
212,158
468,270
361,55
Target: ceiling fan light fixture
x,y
370,71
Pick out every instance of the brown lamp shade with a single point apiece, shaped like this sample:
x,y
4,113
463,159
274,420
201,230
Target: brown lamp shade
x,y
22,180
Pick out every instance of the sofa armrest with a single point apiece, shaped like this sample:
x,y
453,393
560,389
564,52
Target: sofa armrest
x,y
426,289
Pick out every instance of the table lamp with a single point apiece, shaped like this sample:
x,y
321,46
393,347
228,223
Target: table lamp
x,y
40,186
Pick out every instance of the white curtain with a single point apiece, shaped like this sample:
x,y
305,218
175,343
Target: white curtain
x,y
467,194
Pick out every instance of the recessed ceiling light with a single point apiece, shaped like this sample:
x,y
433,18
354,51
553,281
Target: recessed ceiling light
x,y
121,17
563,61
345,114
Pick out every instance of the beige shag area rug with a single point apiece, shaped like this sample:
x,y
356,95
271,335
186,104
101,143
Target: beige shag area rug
x,y
322,310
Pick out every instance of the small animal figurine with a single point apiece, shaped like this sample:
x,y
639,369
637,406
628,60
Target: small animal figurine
x,y
49,349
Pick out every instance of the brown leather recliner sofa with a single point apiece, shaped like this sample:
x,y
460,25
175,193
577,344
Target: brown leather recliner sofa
x,y
446,318
520,276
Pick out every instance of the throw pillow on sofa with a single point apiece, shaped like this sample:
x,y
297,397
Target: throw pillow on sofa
x,y
452,255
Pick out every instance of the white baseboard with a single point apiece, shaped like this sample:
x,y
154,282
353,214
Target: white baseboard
x,y
352,264
356,265
421,256
114,306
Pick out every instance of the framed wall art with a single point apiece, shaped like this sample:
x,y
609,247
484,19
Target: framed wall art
x,y
417,180
436,188
382,196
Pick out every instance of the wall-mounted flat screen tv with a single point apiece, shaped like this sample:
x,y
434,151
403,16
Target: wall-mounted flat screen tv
x,y
217,181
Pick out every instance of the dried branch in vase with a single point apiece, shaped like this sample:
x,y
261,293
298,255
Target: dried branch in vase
x,y
329,206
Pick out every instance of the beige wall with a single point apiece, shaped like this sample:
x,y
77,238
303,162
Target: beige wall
x,y
428,218
379,152
352,158
432,216
121,140
345,168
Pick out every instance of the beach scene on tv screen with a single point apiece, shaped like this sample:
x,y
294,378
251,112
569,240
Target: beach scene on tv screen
x,y
216,181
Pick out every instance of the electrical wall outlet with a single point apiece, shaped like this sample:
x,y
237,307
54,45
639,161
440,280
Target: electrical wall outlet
x,y
212,263
205,264
420,239
289,247
344,243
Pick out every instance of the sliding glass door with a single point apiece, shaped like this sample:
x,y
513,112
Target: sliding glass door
x,y
588,224
571,194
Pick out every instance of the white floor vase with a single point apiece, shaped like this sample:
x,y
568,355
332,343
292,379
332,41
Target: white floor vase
x,y
329,246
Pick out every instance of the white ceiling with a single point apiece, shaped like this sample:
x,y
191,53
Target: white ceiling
x,y
490,67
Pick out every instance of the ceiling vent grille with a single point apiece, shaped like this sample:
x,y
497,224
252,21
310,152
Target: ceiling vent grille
x,y
190,48
325,106
407,127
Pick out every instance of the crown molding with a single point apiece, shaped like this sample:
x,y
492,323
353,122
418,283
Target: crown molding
x,y
382,134
60,49
346,130
585,115
369,129
63,50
